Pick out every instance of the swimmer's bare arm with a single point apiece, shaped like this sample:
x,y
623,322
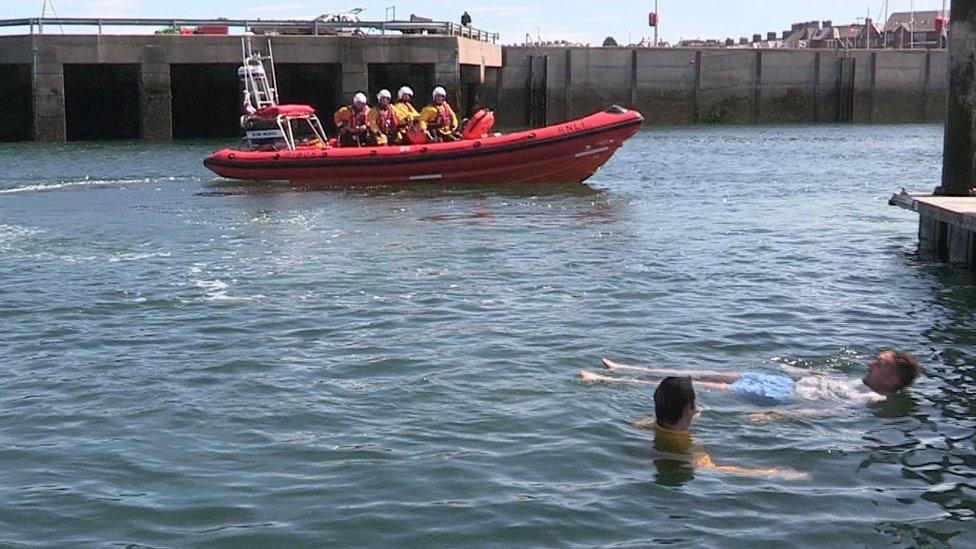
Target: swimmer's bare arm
x,y
597,378
767,416
645,423
702,460
780,472
702,375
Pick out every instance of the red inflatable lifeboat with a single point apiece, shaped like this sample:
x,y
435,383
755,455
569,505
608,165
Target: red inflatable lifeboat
x,y
287,143
564,153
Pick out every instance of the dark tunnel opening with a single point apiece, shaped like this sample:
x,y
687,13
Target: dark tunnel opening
x,y
316,85
392,76
16,111
207,101
101,101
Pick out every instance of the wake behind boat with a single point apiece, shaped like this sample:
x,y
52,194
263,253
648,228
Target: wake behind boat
x,y
287,143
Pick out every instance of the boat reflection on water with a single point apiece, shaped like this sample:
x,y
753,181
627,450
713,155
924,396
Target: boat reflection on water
x,y
224,187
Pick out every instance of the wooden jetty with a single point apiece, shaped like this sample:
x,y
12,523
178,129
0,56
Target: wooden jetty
x,y
947,224
947,217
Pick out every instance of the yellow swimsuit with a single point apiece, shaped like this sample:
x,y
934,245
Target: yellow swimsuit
x,y
680,444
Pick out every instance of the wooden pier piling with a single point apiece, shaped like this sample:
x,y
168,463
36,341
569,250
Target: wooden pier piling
x,y
947,217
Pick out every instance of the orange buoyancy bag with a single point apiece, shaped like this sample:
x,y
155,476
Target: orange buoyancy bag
x,y
480,124
416,136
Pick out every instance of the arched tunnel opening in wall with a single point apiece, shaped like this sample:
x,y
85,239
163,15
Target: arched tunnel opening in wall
x,y
16,110
316,85
101,101
392,76
206,100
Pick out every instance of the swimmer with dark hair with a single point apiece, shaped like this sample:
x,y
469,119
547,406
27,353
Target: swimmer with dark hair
x,y
889,372
674,410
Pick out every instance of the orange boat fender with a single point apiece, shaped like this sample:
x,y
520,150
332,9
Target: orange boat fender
x,y
417,136
480,125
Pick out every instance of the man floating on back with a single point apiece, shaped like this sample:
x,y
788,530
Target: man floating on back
x,y
889,372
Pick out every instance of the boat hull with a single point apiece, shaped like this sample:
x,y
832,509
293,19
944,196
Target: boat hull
x,y
564,153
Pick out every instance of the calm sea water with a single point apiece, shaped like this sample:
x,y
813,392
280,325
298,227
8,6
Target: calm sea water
x,y
184,360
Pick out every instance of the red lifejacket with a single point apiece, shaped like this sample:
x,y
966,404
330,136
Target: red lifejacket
x,y
387,120
360,118
444,118
356,119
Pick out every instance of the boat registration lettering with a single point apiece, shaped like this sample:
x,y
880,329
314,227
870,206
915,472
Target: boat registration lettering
x,y
570,127
265,134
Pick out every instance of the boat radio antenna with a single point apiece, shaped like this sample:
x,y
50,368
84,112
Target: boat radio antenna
x,y
261,90
273,88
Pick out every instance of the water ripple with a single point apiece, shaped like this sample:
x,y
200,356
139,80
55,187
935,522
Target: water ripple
x,y
189,361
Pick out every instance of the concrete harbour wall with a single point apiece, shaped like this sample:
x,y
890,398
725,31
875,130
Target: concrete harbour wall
x,y
685,86
66,87
73,80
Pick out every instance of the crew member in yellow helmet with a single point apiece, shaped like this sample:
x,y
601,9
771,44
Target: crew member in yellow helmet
x,y
406,113
353,123
439,117
383,121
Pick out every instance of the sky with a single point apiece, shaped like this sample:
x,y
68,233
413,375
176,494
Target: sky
x,y
585,21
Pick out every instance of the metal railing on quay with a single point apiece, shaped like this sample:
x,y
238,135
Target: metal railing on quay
x,y
265,26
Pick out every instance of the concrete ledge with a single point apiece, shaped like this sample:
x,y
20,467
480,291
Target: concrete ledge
x,y
477,53
960,211
947,224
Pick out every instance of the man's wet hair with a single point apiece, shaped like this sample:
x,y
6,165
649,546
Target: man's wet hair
x,y
671,398
908,367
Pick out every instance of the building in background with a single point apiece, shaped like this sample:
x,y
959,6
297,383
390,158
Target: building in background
x,y
867,36
801,34
917,30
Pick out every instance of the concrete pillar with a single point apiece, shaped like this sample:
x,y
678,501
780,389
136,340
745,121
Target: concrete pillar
x,y
816,87
959,169
355,78
930,234
698,87
473,85
847,67
447,75
960,241
757,89
924,103
49,116
874,86
155,102
538,91
472,74
569,83
633,78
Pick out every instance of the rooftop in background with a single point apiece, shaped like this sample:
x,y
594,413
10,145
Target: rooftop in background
x,y
924,20
266,26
